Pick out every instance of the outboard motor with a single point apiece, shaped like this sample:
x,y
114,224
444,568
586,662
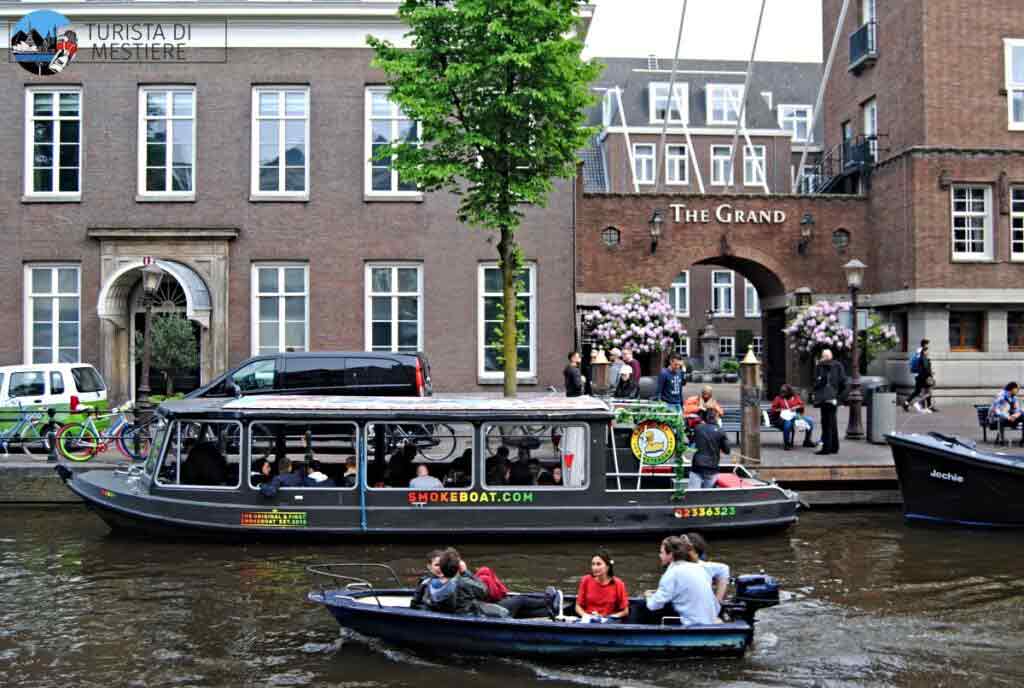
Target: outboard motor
x,y
753,593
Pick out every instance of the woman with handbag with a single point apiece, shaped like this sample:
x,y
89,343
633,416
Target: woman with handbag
x,y
787,414
829,390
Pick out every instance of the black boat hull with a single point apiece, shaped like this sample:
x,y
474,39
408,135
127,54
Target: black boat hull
x,y
947,482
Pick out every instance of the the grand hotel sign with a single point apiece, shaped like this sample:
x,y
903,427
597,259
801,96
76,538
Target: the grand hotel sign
x,y
726,214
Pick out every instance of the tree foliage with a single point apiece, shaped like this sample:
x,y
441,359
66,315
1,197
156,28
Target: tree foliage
x,y
173,347
500,92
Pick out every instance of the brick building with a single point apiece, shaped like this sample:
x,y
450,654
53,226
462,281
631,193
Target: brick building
x,y
246,176
924,115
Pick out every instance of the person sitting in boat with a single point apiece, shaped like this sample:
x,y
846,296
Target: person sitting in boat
x,y
683,590
315,477
419,597
718,573
423,479
1005,411
498,467
401,468
626,387
519,472
284,478
786,412
601,596
457,591
711,444
460,470
699,405
351,473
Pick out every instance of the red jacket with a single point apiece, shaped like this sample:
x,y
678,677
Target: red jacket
x,y
496,589
794,403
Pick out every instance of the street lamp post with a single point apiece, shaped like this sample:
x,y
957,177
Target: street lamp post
x,y
854,280
151,276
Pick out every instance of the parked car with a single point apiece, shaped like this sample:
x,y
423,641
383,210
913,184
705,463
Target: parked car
x,y
60,386
363,373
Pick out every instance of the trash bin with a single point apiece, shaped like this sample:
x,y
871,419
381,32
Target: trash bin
x,y
880,405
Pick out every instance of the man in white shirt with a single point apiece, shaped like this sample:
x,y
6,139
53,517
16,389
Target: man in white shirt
x,y
423,479
684,585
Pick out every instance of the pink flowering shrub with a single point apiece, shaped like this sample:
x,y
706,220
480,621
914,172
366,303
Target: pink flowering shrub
x,y
644,322
821,327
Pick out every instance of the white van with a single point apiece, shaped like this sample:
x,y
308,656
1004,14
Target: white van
x,y
51,385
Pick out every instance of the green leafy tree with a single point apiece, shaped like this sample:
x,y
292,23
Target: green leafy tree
x,y
173,347
500,91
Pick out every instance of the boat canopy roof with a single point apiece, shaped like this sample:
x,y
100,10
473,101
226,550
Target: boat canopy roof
x,y
551,408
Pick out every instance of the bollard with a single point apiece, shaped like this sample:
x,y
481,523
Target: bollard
x,y
750,404
51,438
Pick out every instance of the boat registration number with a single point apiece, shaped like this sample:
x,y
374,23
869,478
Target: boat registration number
x,y
706,511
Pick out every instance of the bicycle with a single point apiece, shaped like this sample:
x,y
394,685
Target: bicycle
x,y
31,431
82,441
434,442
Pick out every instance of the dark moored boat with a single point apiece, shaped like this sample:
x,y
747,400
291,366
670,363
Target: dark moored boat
x,y
948,480
385,614
203,473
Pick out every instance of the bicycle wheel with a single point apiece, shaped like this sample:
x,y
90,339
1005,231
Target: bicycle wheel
x,y
34,438
134,441
435,442
76,442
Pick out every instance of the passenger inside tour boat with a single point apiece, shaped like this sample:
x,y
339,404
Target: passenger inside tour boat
x,y
201,453
683,593
348,479
498,467
601,596
423,479
315,476
550,456
286,477
317,452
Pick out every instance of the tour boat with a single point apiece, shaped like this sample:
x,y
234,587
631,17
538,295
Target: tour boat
x,y
204,471
385,614
947,480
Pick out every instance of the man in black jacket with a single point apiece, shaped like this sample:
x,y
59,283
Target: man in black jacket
x,y
923,382
711,444
829,389
574,380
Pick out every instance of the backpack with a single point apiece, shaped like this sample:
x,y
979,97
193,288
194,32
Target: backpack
x,y
496,589
915,363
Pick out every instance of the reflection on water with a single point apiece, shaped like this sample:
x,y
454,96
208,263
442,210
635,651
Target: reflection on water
x,y
870,601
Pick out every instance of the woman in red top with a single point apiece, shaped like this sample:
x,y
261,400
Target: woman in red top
x,y
601,594
786,409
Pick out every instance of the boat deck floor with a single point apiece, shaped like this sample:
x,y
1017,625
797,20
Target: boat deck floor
x,y
402,602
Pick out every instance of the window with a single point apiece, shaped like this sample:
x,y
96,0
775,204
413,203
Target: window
x,y
754,165
841,239
27,384
394,303
1015,330
536,456
796,119
758,344
607,108
280,308
386,124
721,165
751,301
419,459
56,383
870,110
611,237
678,110
723,103
644,159
683,347
726,347
52,316
258,376
972,223
965,330
314,374
489,317
333,444
280,142
53,143
167,141
677,170
1017,223
202,453
867,11
1014,57
87,379
721,292
679,294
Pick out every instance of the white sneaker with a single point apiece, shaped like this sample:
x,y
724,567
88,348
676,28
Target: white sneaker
x,y
918,407
928,410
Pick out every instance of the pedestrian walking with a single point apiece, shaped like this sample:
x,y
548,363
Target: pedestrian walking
x,y
574,379
924,381
829,390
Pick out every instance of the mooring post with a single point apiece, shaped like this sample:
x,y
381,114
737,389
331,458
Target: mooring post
x,y
750,404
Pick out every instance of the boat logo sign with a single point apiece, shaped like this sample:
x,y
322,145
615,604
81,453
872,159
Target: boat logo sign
x,y
952,477
653,443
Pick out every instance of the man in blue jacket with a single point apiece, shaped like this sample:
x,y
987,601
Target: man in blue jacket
x,y
671,382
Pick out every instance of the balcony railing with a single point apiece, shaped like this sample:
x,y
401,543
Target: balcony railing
x,y
863,46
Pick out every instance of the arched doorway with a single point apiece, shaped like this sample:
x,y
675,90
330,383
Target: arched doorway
x,y
170,299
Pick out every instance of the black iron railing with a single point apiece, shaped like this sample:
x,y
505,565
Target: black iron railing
x,y
864,45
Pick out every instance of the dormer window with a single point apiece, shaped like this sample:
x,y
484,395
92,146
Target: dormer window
x,y
723,103
677,110
796,119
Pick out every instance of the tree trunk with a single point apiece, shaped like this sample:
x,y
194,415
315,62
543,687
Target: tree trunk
x,y
506,251
169,383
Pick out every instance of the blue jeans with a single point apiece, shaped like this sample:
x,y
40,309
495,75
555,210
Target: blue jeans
x,y
678,408
699,481
789,429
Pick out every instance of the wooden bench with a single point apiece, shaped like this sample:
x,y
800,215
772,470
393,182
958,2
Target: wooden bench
x,y
985,425
732,420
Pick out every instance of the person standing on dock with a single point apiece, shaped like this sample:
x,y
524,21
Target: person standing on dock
x,y
574,380
829,388
671,382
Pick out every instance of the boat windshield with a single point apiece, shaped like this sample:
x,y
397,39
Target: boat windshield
x,y
159,434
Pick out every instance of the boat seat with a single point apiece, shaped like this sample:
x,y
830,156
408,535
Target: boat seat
x,y
386,600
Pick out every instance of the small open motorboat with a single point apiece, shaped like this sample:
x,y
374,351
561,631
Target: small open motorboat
x,y
949,480
385,614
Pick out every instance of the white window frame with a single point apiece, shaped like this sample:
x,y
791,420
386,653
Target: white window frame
x,y
731,341
715,92
683,348
645,162
657,90
681,284
394,117
972,256
254,169
721,158
170,119
758,343
870,112
868,11
1017,223
749,289
1013,87
731,287
394,295
254,335
751,156
790,116
54,294
607,108
483,374
56,118
677,165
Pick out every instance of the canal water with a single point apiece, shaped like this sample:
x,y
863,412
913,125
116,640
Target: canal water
x,y
870,601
